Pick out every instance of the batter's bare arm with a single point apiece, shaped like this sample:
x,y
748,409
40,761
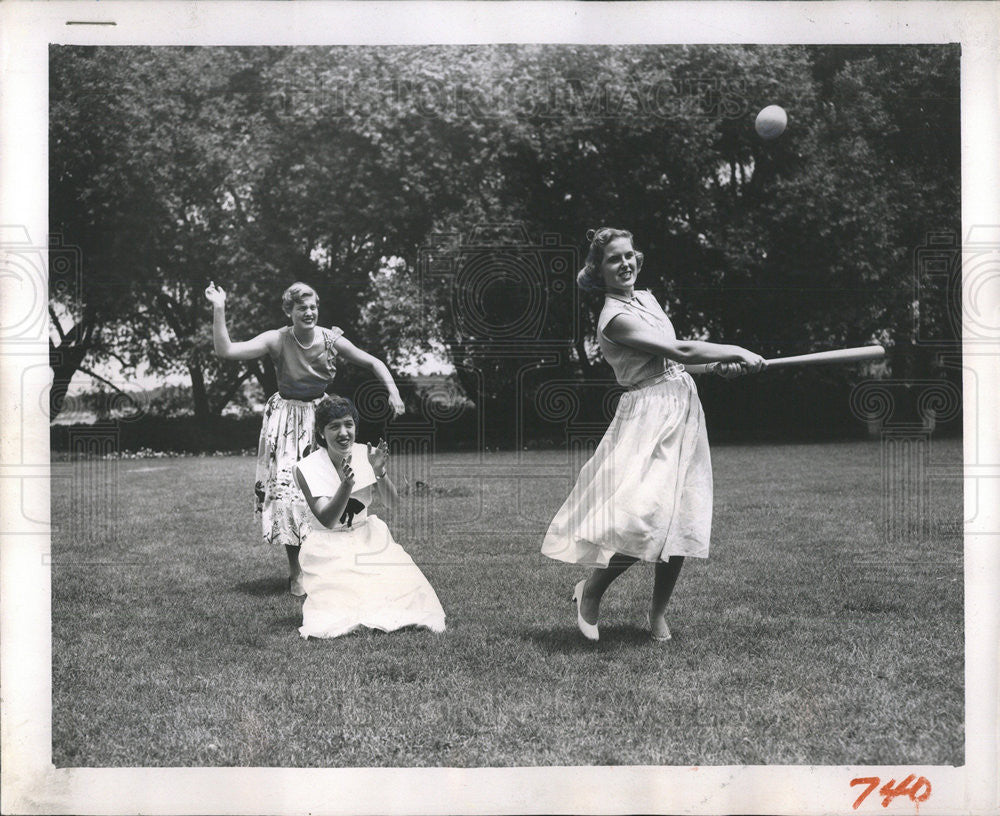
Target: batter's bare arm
x,y
632,332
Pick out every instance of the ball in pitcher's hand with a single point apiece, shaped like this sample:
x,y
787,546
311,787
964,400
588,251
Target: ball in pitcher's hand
x,y
771,122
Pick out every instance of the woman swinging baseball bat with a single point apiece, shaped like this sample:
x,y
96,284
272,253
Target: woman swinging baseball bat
x,y
646,494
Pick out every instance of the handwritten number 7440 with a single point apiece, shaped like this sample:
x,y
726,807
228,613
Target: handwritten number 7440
x,y
918,789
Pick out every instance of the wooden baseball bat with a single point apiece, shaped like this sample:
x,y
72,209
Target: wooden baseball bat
x,y
849,355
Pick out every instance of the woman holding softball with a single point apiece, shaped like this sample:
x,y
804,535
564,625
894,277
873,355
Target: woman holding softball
x,y
646,493
305,357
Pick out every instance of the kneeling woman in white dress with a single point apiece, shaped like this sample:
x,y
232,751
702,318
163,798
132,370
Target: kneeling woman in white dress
x,y
353,571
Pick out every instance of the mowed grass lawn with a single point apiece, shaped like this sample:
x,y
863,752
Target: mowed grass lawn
x,y
808,637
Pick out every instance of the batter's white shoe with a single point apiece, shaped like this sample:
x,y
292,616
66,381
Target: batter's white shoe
x,y
589,630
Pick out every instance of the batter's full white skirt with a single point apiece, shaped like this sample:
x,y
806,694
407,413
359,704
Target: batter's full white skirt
x,y
647,490
362,577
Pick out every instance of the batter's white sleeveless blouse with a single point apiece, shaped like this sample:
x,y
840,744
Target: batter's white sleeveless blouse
x,y
355,574
647,490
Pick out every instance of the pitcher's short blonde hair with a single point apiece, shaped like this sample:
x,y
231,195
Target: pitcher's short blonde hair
x,y
296,293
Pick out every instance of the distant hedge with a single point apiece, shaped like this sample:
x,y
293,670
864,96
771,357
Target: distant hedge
x,y
767,409
220,434
170,434
780,406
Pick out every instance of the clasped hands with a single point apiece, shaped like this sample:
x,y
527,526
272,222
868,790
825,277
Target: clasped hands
x,y
731,370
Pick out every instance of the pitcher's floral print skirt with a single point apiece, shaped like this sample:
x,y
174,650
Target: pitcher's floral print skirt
x,y
285,437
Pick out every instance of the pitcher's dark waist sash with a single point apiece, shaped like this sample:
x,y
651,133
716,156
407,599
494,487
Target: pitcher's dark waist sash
x,y
301,397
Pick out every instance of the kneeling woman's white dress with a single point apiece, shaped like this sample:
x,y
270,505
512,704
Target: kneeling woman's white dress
x,y
355,574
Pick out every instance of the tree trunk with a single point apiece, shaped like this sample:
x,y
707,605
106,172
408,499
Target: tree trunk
x,y
228,390
581,352
266,376
202,411
65,361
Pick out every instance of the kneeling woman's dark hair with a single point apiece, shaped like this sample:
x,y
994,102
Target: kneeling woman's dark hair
x,y
333,407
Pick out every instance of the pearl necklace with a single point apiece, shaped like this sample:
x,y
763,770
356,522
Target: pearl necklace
x,y
304,348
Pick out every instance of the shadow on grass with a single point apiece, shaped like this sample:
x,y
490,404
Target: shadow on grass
x,y
264,587
569,640
289,623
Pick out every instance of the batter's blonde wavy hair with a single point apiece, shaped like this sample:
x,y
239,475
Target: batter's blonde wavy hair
x,y
589,278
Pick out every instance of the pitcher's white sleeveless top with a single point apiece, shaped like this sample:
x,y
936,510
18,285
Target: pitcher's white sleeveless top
x,y
647,489
354,573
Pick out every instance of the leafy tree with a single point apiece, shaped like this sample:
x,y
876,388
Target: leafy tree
x,y
146,181
369,171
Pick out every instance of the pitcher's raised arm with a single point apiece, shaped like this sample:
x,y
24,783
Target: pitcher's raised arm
x,y
262,344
